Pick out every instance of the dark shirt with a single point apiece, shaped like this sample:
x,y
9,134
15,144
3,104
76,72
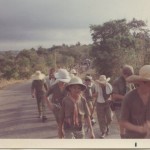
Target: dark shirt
x,y
121,87
68,111
89,91
40,87
57,93
135,111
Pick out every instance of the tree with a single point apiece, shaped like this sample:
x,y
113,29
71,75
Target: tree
x,y
116,43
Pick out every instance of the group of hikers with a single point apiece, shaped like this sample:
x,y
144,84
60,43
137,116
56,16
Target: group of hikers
x,y
76,102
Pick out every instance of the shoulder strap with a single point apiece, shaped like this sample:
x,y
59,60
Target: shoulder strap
x,y
106,96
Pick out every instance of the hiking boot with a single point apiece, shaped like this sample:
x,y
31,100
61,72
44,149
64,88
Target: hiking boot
x,y
44,118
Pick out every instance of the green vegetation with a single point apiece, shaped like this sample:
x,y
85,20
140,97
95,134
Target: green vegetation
x,y
115,43
119,42
23,64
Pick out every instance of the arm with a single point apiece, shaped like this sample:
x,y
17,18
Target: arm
x,y
49,103
45,86
132,127
126,111
33,90
95,93
115,91
117,96
148,127
33,93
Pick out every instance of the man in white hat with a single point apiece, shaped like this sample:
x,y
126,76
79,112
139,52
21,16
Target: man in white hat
x,y
120,88
74,111
58,92
38,90
135,112
103,90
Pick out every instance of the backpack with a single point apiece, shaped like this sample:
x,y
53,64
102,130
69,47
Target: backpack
x,y
105,95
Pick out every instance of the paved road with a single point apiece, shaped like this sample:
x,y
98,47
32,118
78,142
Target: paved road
x,y
18,116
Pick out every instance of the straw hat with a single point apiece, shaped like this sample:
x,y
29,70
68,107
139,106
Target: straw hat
x,y
76,81
102,79
144,75
72,75
62,75
38,75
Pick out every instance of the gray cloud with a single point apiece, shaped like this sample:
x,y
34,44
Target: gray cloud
x,y
61,21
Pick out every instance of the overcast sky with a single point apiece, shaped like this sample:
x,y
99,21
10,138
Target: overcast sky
x,y
34,23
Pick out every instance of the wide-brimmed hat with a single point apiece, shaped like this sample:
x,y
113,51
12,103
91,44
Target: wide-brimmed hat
x,y
73,71
102,79
144,75
88,78
72,75
76,81
38,75
62,75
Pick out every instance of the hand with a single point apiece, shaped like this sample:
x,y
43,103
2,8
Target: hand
x,y
143,129
50,104
148,128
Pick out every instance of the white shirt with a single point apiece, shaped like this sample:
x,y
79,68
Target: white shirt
x,y
100,98
52,82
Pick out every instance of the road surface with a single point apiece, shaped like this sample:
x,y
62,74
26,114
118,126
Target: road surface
x,y
19,116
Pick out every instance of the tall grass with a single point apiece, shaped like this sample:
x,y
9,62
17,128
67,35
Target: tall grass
x,y
4,82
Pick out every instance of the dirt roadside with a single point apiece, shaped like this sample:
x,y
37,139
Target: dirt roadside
x,y
4,83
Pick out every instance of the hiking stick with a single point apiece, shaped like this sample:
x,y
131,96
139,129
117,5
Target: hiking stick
x,y
92,113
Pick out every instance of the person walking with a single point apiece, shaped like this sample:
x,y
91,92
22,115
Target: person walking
x,y
58,92
135,111
52,78
74,111
89,94
103,90
38,91
120,88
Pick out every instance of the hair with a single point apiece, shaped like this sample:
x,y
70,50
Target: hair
x,y
127,70
52,70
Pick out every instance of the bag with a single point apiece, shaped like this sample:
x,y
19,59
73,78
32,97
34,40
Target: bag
x,y
106,96
112,105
